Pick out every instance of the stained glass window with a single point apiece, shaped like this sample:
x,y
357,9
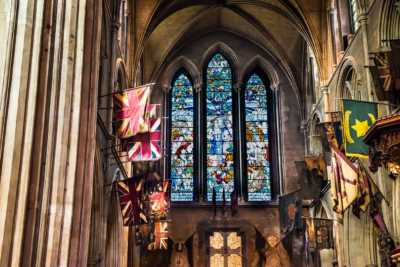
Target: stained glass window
x,y
220,163
182,136
257,140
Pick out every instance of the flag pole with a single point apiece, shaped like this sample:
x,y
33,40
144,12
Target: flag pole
x,y
128,89
295,191
365,101
104,130
109,147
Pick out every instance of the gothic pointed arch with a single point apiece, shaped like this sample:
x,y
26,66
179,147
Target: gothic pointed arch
x,y
347,85
120,76
260,64
389,25
229,55
180,64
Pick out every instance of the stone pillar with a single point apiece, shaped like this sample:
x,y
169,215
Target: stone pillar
x,y
278,140
48,123
363,21
19,66
327,105
8,15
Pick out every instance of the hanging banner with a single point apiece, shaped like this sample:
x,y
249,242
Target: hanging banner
x,y
147,146
320,233
160,236
131,206
358,116
344,182
290,211
130,111
159,203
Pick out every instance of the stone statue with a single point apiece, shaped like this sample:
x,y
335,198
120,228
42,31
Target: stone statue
x,y
276,255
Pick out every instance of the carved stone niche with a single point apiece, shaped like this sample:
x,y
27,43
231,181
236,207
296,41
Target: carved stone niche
x,y
383,139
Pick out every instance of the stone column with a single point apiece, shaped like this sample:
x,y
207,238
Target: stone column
x,y
8,15
278,140
363,20
20,49
50,73
327,105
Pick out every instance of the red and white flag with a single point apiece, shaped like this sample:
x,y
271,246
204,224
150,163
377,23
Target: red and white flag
x,y
159,203
160,236
147,146
129,200
130,111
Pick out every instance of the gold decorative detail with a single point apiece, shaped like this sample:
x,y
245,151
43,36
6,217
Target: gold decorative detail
x,y
361,127
234,260
217,240
346,127
234,241
217,260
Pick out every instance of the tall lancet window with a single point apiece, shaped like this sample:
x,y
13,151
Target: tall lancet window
x,y
258,162
219,129
182,139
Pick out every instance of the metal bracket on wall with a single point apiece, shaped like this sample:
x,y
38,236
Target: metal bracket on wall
x,y
114,152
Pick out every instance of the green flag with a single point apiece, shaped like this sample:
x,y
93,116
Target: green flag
x,y
358,116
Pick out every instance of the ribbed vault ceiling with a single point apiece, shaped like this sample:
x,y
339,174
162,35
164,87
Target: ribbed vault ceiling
x,y
277,25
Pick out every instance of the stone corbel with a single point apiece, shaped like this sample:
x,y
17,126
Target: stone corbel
x,y
165,88
237,87
274,86
198,87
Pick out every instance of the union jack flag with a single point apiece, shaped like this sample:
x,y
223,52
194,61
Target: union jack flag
x,y
130,111
129,201
147,146
160,236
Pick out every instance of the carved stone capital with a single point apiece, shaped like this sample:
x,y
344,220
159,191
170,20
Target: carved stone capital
x,y
197,87
237,86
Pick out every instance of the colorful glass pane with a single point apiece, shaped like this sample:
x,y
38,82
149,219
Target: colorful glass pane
x,y
220,164
182,133
257,140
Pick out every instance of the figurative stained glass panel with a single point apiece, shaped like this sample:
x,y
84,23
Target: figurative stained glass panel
x,y
182,133
257,140
220,164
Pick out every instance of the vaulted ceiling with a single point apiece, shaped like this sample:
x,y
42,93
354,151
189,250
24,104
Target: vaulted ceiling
x,y
282,27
